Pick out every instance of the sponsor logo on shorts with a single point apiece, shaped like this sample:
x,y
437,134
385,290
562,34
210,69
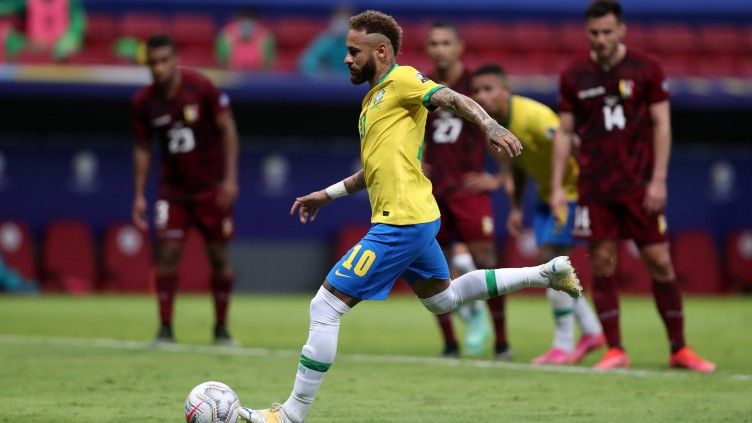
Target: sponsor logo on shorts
x,y
227,227
662,225
338,273
487,225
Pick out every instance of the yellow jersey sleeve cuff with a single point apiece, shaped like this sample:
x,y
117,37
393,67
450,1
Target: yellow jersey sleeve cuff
x,y
427,97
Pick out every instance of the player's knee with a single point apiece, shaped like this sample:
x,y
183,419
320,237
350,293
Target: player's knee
x,y
660,266
443,302
604,262
325,311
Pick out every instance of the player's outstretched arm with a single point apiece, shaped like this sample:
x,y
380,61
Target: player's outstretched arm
x,y
465,107
562,148
308,206
141,159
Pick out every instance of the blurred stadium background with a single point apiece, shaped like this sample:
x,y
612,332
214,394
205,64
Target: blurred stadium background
x,y
65,163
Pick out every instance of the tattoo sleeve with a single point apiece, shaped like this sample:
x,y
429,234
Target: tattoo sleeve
x,y
355,182
461,105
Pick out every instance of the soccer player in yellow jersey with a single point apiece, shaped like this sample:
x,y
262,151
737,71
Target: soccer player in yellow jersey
x,y
405,216
534,124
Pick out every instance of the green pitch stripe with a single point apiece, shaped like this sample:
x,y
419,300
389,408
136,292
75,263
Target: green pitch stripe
x,y
313,364
493,291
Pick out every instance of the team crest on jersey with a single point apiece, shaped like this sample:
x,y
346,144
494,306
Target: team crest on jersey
x,y
422,78
626,86
190,113
377,99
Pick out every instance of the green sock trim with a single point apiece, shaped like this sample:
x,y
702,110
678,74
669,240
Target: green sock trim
x,y
493,290
563,312
313,364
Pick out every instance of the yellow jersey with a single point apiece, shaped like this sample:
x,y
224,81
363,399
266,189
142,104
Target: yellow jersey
x,y
534,125
391,127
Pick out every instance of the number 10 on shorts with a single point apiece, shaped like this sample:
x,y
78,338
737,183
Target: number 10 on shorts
x,y
364,262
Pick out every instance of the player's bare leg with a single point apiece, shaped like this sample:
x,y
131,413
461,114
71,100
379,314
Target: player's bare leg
x,y
603,259
166,279
318,354
484,255
222,279
657,258
566,311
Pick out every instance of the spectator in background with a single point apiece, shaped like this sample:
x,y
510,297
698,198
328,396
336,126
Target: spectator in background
x,y
11,282
324,54
56,26
246,44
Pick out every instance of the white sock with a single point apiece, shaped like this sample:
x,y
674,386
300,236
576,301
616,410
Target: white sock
x,y
586,317
463,263
484,284
318,353
562,306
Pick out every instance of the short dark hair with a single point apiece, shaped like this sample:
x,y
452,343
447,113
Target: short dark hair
x,y
601,8
447,25
375,22
491,69
160,40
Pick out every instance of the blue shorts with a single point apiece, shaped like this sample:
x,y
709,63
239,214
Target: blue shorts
x,y
369,269
547,232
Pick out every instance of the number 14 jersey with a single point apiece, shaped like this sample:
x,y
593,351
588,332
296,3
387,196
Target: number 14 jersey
x,y
612,118
191,147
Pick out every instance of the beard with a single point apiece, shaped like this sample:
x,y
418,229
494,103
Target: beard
x,y
366,73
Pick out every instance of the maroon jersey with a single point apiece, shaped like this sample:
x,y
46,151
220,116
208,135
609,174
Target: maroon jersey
x,y
193,159
612,118
453,147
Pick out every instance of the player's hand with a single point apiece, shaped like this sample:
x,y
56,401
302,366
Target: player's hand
x,y
308,206
502,139
514,222
655,196
482,182
138,213
228,193
558,204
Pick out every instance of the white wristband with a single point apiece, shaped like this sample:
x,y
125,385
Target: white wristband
x,y
336,190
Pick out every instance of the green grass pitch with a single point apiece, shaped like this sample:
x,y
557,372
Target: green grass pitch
x,y
67,359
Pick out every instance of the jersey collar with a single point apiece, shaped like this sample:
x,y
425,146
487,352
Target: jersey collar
x,y
383,77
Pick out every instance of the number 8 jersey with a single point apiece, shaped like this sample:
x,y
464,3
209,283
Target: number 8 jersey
x,y
454,147
612,118
191,147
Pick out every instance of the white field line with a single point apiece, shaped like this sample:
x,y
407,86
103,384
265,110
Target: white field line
x,y
120,344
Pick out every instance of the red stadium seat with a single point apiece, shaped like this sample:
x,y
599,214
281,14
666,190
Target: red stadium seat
x,y
725,39
287,60
532,37
414,35
572,38
194,270
142,25
100,30
193,30
197,55
671,38
34,57
69,262
718,66
127,259
96,54
696,262
17,248
632,275
484,36
296,32
640,37
417,59
739,259
676,65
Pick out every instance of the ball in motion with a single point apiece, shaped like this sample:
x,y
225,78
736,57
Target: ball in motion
x,y
211,402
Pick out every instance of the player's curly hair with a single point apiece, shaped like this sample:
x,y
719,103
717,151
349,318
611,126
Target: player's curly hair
x,y
375,22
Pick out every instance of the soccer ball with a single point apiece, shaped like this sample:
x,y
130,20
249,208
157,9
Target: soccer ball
x,y
211,402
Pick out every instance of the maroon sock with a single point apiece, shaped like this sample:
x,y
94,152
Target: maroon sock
x,y
497,307
606,302
166,285
669,303
447,331
221,285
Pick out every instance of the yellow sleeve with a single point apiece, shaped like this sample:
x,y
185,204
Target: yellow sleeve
x,y
546,122
414,87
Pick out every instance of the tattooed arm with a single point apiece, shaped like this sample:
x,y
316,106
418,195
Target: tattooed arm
x,y
466,108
